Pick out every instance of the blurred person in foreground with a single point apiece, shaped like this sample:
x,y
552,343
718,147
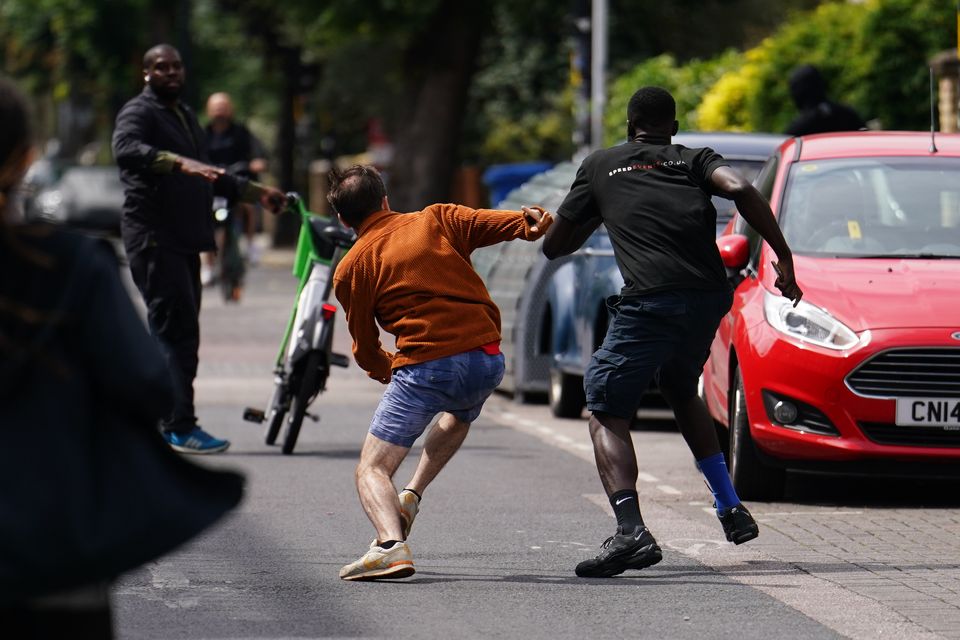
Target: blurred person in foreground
x,y
230,145
82,385
411,273
169,184
818,114
654,198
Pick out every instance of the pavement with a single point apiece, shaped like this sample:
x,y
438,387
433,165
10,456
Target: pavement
x,y
503,526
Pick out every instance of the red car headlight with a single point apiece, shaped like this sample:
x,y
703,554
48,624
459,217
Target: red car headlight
x,y
807,323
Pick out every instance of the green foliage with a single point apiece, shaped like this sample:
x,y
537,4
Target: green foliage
x,y
530,136
874,55
520,104
902,36
756,97
218,36
686,82
69,45
830,38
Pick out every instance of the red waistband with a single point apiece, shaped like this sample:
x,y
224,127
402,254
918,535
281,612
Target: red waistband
x,y
491,348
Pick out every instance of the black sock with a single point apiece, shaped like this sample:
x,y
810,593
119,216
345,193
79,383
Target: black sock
x,y
626,505
419,497
388,544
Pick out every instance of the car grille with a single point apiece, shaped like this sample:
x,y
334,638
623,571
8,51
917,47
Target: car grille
x,y
909,373
886,433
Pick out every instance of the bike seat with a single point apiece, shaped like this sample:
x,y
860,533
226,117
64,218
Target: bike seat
x,y
334,233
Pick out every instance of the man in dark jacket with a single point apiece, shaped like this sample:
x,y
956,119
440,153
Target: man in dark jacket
x,y
167,222
817,113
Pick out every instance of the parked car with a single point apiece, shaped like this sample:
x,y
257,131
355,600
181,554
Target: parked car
x,y
84,197
863,376
553,312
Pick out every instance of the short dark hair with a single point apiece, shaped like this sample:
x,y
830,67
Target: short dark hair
x,y
155,52
356,192
651,106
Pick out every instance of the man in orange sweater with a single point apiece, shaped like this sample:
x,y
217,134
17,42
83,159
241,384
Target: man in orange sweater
x,y
411,273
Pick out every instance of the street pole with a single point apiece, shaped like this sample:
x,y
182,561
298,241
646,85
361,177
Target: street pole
x,y
598,68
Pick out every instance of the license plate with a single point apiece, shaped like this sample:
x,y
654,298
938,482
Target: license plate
x,y
928,412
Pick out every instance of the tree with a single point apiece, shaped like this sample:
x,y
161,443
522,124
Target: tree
x,y
438,66
76,55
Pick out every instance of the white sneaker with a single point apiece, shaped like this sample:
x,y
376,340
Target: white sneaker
x,y
381,564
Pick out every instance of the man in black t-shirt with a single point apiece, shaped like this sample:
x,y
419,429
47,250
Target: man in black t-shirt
x,y
654,198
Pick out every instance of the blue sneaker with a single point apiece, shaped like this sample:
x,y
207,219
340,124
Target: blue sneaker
x,y
195,441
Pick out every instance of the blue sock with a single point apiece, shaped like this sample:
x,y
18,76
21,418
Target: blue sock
x,y
714,469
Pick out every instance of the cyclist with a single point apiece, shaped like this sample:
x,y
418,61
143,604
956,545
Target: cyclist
x,y
232,145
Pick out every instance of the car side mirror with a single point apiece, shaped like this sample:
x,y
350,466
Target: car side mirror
x,y
734,251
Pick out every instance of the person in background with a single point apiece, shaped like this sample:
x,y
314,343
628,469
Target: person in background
x,y
411,273
654,198
818,114
169,186
230,145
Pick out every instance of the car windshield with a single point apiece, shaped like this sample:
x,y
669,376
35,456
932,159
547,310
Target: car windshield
x,y
874,208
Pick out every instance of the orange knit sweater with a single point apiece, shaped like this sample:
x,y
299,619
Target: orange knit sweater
x,y
411,272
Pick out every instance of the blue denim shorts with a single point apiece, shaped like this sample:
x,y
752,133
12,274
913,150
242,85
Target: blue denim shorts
x,y
457,384
664,335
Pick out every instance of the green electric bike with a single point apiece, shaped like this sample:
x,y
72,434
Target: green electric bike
x,y
306,351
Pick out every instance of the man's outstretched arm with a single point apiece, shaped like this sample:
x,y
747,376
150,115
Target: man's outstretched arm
x,y
756,211
564,237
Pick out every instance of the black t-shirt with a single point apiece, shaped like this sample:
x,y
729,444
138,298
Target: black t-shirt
x,y
654,200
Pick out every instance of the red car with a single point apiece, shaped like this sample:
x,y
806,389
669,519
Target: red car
x,y
864,375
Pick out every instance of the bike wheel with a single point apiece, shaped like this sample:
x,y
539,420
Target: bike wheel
x,y
310,381
275,413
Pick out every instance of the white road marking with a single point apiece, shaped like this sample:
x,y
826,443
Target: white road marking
x,y
692,546
667,489
646,477
563,439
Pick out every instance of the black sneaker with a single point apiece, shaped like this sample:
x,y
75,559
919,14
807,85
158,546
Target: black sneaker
x,y
738,525
620,552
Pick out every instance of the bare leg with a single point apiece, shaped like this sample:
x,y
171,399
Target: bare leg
x,y
379,460
442,442
613,449
696,425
